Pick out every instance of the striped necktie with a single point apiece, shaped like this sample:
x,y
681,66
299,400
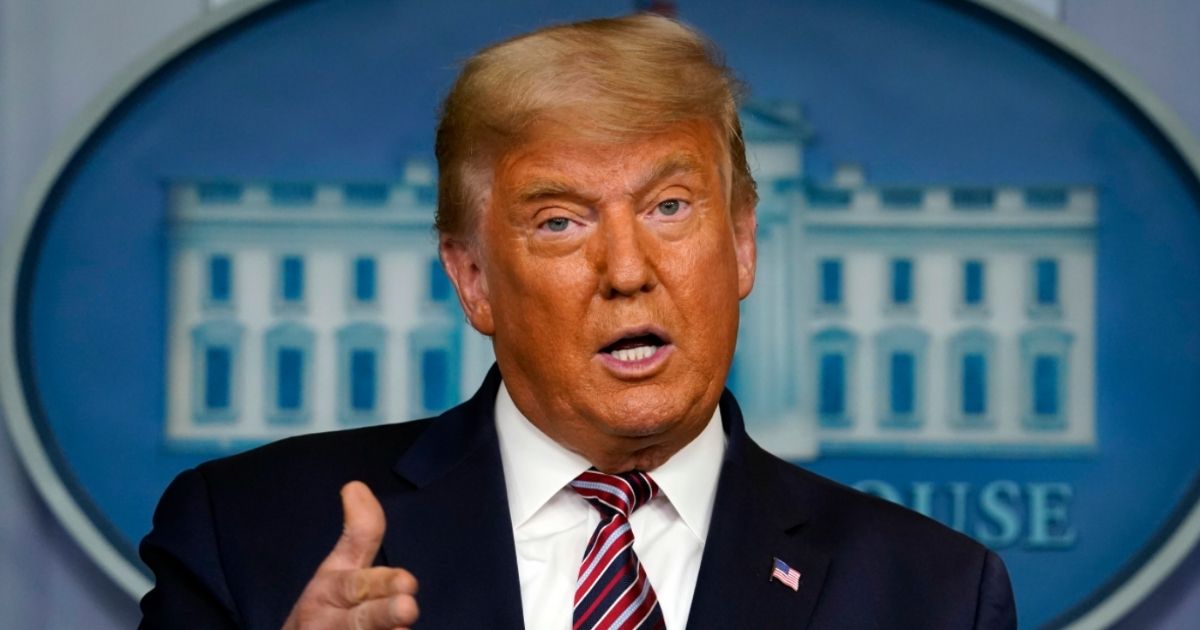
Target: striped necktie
x,y
613,592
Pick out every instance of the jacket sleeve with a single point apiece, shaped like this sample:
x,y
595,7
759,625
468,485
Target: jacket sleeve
x,y
995,608
182,550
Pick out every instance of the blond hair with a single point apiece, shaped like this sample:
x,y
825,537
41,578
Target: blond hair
x,y
608,80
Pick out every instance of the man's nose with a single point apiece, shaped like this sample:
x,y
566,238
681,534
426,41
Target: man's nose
x,y
624,257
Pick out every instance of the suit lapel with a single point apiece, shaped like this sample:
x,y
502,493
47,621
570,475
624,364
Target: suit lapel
x,y
755,519
448,520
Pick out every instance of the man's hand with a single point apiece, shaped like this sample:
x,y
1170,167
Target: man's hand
x,y
347,592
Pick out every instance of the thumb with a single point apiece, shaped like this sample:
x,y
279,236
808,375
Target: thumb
x,y
362,529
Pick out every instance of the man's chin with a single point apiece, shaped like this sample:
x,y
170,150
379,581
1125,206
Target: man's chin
x,y
641,430
636,418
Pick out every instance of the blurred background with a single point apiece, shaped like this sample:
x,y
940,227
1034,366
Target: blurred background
x,y
58,55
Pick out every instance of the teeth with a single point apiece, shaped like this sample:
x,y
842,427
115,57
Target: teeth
x,y
634,354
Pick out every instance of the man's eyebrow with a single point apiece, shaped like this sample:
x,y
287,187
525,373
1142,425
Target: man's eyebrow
x,y
549,188
540,189
673,164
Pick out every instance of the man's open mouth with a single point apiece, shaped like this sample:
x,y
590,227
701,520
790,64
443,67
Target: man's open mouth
x,y
637,346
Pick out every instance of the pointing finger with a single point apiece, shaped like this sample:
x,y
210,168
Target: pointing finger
x,y
350,588
362,529
392,612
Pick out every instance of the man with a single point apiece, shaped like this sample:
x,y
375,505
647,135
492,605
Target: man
x,y
596,216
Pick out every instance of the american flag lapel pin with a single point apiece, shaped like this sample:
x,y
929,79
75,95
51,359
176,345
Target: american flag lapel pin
x,y
786,575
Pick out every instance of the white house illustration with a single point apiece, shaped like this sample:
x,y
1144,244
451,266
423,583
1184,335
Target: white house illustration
x,y
298,307
887,319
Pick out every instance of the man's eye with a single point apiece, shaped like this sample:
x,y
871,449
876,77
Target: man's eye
x,y
670,207
557,224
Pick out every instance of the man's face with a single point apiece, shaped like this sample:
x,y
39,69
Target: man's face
x,y
609,276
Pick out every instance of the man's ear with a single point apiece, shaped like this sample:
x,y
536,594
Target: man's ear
x,y
461,260
745,230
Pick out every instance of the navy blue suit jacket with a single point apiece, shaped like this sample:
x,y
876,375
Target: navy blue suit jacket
x,y
235,540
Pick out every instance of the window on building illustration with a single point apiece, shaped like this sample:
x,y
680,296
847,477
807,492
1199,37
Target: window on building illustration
x,y
833,366
435,369
218,378
215,348
220,279
1046,282
902,282
902,394
972,198
290,383
361,361
968,377
974,384
364,279
827,198
973,283
218,192
832,396
440,289
362,381
902,198
365,195
1044,355
435,354
289,357
1045,385
293,194
831,282
900,362
1046,197
291,279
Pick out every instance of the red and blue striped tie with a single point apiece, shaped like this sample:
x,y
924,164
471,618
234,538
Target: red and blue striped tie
x,y
613,592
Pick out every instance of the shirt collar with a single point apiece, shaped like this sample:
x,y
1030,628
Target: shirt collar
x,y
536,468
689,478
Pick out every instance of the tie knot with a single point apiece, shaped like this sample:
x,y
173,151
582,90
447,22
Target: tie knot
x,y
621,494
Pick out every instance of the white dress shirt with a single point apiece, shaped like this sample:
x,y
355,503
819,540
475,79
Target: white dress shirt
x,y
552,524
